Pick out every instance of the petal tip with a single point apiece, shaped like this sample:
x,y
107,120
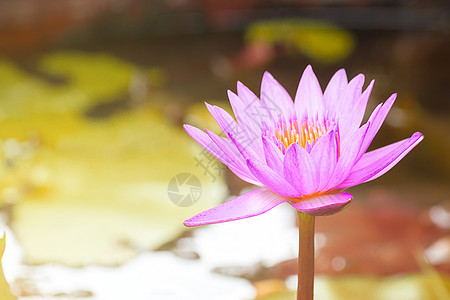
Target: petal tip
x,y
392,98
267,74
232,96
189,128
360,77
208,106
309,72
188,224
192,223
240,86
418,135
342,74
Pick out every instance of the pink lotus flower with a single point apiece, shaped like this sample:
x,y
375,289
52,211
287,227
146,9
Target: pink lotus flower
x,y
304,152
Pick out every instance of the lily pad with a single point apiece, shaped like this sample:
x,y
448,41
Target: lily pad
x,y
92,190
321,41
105,192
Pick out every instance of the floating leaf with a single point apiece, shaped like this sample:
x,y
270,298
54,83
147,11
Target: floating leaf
x,y
106,192
97,76
321,41
91,190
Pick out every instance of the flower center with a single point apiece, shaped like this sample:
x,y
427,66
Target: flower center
x,y
304,133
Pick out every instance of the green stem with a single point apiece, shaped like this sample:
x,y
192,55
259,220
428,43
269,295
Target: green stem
x,y
305,288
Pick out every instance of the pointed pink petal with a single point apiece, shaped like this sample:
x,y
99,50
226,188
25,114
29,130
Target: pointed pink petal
x,y
376,163
415,140
275,97
245,206
235,160
348,113
335,91
257,110
359,108
362,103
356,114
246,94
245,116
228,148
270,179
347,157
234,132
300,170
323,205
205,141
274,156
324,153
243,146
376,119
225,121
251,127
309,98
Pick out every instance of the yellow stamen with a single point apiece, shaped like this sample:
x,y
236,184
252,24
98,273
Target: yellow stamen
x,y
306,133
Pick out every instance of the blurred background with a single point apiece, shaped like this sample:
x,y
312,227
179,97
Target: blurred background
x,y
97,174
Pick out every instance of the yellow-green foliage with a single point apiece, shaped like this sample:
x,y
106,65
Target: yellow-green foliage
x,y
321,41
427,285
90,191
